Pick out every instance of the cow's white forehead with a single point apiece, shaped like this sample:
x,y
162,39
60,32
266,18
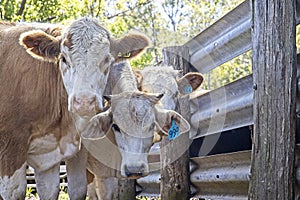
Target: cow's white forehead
x,y
133,115
85,32
160,79
89,40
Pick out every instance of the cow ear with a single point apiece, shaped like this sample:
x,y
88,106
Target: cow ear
x,y
98,126
129,46
166,119
41,45
190,82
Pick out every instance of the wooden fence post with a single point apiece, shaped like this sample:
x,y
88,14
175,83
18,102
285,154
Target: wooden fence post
x,y
126,189
274,76
175,154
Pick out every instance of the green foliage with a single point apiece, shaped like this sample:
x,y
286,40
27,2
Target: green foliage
x,y
30,192
63,196
32,195
144,60
228,72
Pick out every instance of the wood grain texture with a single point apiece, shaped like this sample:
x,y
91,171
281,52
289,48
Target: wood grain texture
x,y
175,153
274,75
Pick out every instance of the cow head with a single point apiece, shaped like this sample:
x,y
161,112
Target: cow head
x,y
170,82
166,80
135,119
85,51
153,80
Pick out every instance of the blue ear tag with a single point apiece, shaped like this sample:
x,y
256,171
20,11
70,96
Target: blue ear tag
x,y
173,131
188,89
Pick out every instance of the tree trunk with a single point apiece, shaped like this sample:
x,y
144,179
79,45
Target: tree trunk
x,y
175,154
274,76
22,7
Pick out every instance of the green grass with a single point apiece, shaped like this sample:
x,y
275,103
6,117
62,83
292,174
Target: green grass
x,y
31,194
147,198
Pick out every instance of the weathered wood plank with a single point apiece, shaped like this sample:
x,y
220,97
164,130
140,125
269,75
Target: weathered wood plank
x,y
126,189
175,154
274,75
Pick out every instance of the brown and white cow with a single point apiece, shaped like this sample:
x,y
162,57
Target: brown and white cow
x,y
50,96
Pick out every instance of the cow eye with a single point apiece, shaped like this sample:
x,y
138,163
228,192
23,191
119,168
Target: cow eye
x,y
106,71
104,62
116,127
64,67
63,59
152,126
107,59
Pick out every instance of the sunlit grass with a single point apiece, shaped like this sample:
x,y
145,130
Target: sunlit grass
x,y
147,198
31,194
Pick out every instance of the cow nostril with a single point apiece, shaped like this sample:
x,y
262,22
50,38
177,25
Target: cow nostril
x,y
142,169
93,100
132,171
76,100
85,104
84,100
139,173
128,174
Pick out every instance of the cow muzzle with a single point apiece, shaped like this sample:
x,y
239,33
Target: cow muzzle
x,y
85,104
135,171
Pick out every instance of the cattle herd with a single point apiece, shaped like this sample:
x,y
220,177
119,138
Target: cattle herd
x,y
69,94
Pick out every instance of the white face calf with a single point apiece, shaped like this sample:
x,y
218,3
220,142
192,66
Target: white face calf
x,y
166,80
135,119
170,82
134,125
85,51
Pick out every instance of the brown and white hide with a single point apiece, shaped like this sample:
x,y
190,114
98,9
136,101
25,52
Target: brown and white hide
x,y
50,88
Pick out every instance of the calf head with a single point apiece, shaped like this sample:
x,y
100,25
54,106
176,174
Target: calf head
x,y
170,82
84,51
135,119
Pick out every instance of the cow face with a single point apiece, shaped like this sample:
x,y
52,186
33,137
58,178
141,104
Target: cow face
x,y
85,51
166,80
135,119
133,125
